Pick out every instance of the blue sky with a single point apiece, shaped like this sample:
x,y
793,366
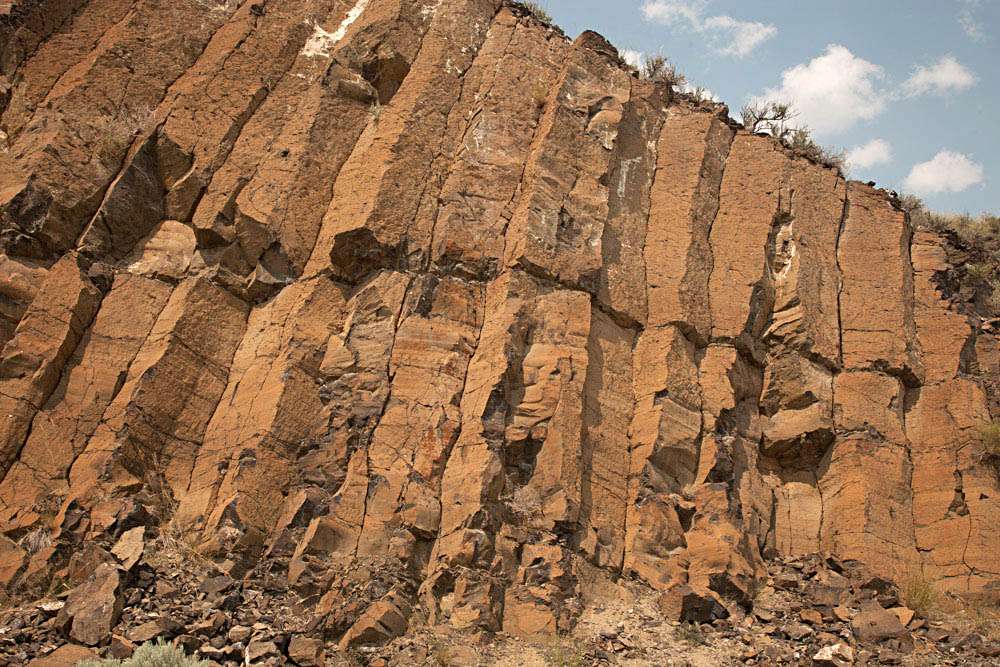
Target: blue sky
x,y
909,89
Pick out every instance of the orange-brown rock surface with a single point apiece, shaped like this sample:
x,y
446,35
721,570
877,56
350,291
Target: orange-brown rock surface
x,y
425,281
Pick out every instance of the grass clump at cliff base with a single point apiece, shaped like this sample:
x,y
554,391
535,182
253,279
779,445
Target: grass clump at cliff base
x,y
920,593
691,635
159,654
564,652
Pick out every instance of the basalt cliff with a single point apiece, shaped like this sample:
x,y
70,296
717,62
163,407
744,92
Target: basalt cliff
x,y
427,287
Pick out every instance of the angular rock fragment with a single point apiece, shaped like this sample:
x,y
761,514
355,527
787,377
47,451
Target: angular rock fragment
x,y
93,608
873,625
128,550
686,604
836,655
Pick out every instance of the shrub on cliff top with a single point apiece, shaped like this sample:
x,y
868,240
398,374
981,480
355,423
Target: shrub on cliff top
x,y
159,654
970,230
802,142
536,10
659,69
772,118
775,118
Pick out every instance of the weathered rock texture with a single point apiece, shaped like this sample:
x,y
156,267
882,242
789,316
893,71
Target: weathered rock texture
x,y
426,281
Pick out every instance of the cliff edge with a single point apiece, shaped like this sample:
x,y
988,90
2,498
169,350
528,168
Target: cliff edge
x,y
428,286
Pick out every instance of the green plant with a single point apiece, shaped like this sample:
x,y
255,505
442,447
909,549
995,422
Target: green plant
x,y
690,634
920,593
58,585
159,654
771,117
775,118
985,615
980,271
538,12
995,294
440,652
757,589
564,652
116,132
802,142
989,434
659,69
538,96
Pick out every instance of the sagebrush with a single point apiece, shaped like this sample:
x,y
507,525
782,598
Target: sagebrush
x,y
690,634
159,654
659,69
538,12
775,118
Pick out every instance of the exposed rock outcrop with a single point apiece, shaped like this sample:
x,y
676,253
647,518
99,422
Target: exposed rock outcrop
x,y
428,284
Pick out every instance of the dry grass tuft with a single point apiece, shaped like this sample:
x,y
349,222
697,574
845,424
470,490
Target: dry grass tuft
x,y
973,231
538,12
565,652
176,545
118,131
690,634
526,501
920,593
440,652
36,540
539,96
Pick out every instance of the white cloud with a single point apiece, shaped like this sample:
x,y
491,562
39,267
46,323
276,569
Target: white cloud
x,y
876,151
831,92
632,57
946,74
948,171
739,38
730,36
700,92
972,26
672,11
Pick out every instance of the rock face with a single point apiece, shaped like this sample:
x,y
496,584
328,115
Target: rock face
x,y
426,282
